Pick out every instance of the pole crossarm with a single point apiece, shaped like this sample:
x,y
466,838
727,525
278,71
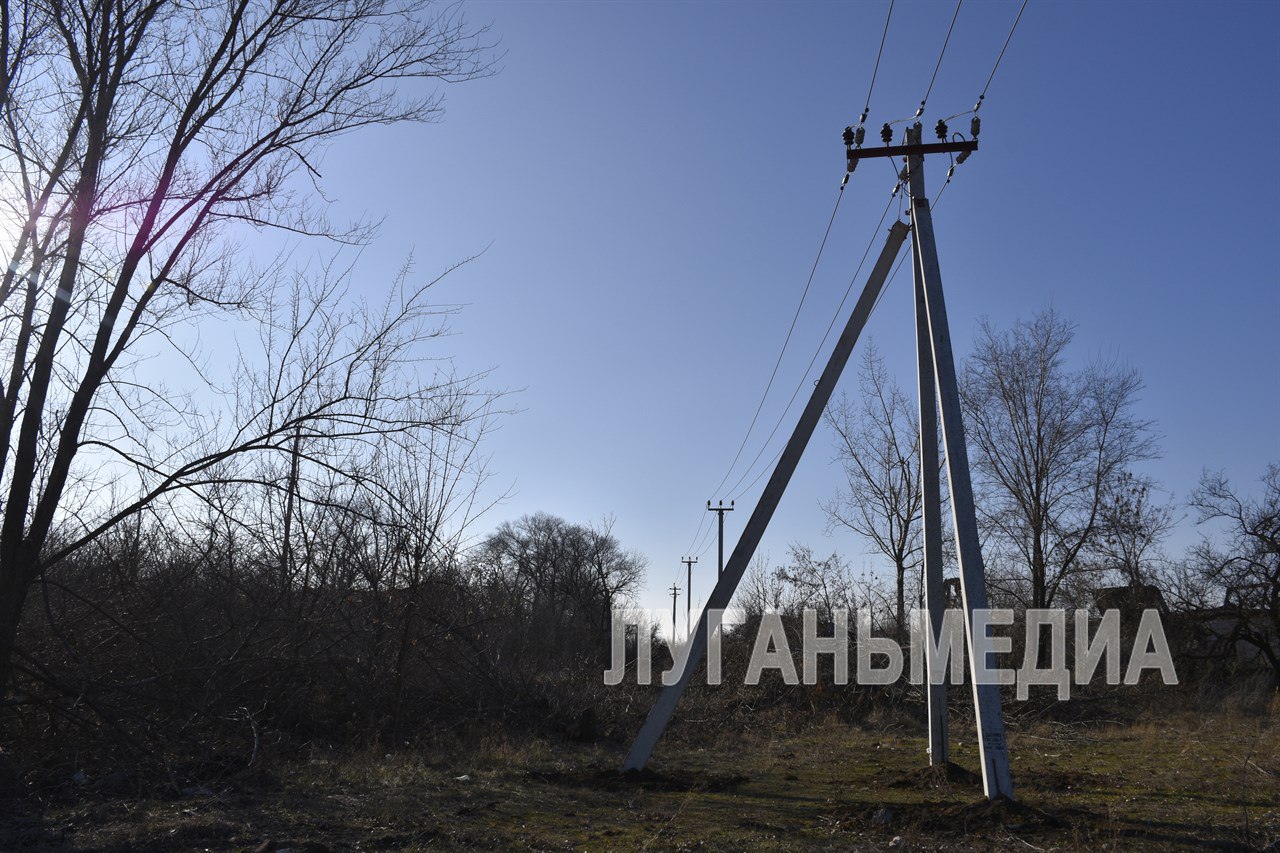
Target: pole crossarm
x,y
916,150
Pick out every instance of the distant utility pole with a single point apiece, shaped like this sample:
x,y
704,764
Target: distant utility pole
x,y
286,556
688,593
675,593
720,509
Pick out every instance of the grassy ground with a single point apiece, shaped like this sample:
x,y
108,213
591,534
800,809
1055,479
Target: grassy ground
x,y
1182,782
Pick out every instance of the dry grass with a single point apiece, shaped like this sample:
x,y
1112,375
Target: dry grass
x,y
1184,781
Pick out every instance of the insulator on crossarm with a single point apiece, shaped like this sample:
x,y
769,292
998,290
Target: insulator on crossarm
x,y
886,133
848,137
941,130
859,135
975,125
964,155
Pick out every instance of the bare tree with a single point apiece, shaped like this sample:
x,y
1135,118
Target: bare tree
x,y
824,584
878,445
1131,526
1049,443
134,137
1246,568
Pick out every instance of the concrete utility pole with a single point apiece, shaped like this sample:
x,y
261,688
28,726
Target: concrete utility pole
x,y
675,593
688,593
992,747
934,596
939,399
720,509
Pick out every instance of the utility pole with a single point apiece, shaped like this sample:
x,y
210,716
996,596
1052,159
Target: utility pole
x,y
935,601
992,747
939,401
675,593
720,509
286,556
688,594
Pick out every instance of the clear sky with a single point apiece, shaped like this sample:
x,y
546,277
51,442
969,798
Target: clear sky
x,y
652,181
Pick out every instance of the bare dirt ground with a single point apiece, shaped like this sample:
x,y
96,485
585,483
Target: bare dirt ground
x,y
1181,782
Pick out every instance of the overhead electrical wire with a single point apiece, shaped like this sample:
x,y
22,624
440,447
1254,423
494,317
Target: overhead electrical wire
x,y
1008,38
772,464
866,110
875,71
794,319
702,542
941,53
978,104
778,362
734,491
983,96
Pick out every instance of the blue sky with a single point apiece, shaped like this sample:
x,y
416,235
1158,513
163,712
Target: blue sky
x,y
652,180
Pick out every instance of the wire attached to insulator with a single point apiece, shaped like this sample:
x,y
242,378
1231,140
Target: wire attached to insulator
x,y
866,111
942,53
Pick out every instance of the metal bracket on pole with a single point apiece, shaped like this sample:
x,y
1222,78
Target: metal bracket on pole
x,y
727,583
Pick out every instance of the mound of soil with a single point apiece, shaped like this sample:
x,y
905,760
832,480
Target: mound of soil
x,y
953,819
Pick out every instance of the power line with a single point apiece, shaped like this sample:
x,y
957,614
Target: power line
x,y
693,542
978,104
705,542
786,341
942,53
1008,38
702,541
734,491
772,463
884,34
866,111
763,397
818,351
